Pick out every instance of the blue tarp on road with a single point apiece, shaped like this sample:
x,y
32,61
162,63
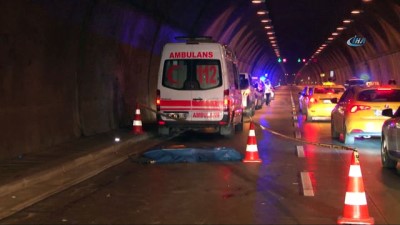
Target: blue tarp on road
x,y
191,155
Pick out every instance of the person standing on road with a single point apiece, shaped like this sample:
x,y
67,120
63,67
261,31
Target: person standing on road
x,y
267,91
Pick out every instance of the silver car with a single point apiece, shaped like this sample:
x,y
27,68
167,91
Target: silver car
x,y
390,139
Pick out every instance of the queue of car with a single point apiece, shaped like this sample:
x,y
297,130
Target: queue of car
x,y
362,110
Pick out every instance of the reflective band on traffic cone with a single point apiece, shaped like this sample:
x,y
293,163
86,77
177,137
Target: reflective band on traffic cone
x,y
355,204
137,122
251,148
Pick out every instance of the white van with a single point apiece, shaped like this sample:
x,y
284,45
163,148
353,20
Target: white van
x,y
198,87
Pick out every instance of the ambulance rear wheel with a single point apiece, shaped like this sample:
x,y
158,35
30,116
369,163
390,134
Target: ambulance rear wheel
x,y
164,131
227,130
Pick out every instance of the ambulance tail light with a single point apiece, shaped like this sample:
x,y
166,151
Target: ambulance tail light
x,y
356,108
227,102
158,100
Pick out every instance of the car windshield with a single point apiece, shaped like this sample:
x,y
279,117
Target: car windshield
x,y
192,74
380,95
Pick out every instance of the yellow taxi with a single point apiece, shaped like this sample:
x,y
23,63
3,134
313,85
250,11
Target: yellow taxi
x,y
358,113
316,103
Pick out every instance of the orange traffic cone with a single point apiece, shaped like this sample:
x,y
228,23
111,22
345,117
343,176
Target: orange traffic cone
x,y
355,204
137,122
251,148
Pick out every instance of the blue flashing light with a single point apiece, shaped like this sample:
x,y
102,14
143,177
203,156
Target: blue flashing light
x,y
365,76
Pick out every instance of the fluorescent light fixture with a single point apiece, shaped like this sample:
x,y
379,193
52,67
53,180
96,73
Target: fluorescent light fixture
x,y
262,12
356,11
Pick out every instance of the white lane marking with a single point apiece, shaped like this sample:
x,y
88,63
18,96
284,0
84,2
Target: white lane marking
x,y
300,151
306,183
295,124
297,134
294,117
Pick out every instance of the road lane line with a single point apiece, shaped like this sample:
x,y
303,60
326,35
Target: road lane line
x,y
300,151
306,183
297,134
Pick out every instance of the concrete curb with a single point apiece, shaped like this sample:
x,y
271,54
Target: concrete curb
x,y
27,191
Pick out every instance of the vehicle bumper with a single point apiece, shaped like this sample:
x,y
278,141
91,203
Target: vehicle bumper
x,y
365,127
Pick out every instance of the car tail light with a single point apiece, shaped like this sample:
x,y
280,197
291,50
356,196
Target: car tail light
x,y
384,89
356,108
227,102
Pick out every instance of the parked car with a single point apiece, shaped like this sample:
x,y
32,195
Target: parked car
x,y
248,94
390,140
358,113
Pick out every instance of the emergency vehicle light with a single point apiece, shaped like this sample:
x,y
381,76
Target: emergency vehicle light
x,y
194,39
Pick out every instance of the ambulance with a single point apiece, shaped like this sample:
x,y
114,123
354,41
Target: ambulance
x,y
198,87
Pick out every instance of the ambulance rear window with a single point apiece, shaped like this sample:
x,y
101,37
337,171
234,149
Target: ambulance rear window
x,y
192,74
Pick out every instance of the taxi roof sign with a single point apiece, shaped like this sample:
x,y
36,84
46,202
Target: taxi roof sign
x,y
328,83
372,83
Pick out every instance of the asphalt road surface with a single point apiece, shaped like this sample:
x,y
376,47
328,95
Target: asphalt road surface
x,y
296,182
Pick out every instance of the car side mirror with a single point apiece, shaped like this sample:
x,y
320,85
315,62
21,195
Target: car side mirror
x,y
334,100
387,112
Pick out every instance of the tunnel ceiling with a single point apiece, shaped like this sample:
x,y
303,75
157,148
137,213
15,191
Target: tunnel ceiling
x,y
301,26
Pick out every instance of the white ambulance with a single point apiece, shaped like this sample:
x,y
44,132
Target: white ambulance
x,y
198,87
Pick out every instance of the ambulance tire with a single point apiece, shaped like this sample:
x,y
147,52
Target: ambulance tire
x,y
164,131
227,131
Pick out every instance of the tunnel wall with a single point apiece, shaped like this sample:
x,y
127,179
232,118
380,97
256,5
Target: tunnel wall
x,y
72,69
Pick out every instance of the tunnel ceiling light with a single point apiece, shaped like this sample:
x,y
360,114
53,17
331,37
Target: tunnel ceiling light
x,y
257,1
340,28
271,38
347,21
356,11
270,32
330,38
268,27
265,20
262,12
335,34
367,1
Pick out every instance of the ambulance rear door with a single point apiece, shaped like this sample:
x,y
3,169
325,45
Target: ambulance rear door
x,y
191,85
